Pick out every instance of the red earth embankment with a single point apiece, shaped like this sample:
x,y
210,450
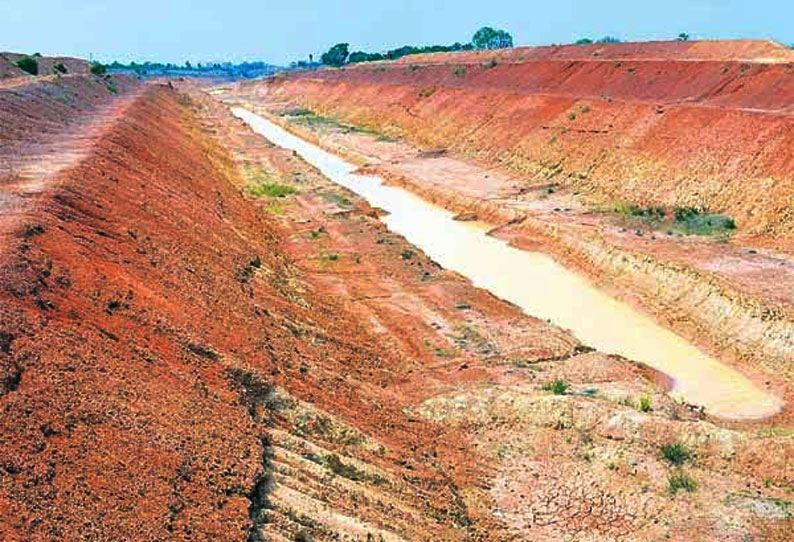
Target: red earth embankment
x,y
150,327
665,124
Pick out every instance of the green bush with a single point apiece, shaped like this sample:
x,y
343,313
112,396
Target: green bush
x,y
28,64
97,68
59,68
680,480
676,453
557,387
645,404
460,71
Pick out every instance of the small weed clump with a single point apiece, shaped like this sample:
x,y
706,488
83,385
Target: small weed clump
x,y
427,92
28,64
680,480
272,190
645,404
491,64
557,387
676,454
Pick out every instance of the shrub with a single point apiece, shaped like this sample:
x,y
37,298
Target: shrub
x,y
683,36
557,387
460,71
491,64
28,64
645,404
97,68
680,480
60,68
584,41
609,39
272,190
676,453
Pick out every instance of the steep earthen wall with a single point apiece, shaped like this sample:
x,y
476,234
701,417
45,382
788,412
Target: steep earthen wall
x,y
717,134
153,341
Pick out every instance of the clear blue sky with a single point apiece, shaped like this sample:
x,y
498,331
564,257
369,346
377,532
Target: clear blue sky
x,y
285,30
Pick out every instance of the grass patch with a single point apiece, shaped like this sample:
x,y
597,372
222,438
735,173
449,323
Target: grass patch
x,y
694,221
271,190
681,481
276,209
676,453
632,210
339,199
683,220
557,387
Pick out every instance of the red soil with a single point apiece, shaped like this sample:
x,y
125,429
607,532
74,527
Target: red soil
x,y
147,314
744,50
644,126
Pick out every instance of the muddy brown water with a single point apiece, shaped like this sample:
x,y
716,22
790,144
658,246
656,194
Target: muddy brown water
x,y
540,286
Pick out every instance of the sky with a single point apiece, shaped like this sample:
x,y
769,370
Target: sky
x,y
283,31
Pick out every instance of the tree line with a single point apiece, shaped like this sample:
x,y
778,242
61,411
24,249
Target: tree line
x,y
485,38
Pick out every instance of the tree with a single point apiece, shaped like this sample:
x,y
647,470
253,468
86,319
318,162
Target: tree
x,y
490,38
609,39
29,65
584,41
683,36
336,55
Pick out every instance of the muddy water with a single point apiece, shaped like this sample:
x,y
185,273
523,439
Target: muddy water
x,y
541,287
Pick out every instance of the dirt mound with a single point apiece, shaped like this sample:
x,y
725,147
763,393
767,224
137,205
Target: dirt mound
x,y
719,50
47,65
704,133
